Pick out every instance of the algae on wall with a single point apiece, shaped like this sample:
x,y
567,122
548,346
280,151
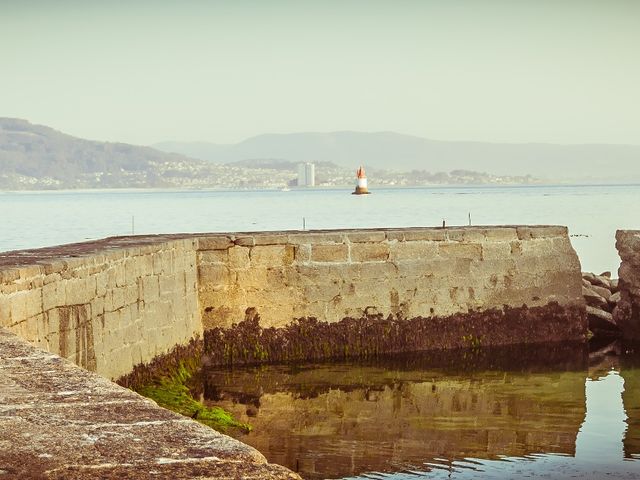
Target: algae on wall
x,y
166,381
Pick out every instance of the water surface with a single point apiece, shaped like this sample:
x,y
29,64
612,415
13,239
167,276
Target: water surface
x,y
547,412
593,213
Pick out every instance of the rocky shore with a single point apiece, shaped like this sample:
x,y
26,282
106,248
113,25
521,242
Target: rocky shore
x,y
602,295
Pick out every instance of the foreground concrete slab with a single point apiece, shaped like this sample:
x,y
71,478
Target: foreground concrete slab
x,y
60,421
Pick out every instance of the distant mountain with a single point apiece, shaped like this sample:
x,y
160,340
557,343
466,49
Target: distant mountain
x,y
393,151
35,156
279,164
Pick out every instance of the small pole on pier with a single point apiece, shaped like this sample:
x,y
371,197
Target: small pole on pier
x,y
469,218
444,224
133,225
304,223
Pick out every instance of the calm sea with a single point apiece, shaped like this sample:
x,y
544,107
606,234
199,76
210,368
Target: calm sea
x,y
553,411
592,213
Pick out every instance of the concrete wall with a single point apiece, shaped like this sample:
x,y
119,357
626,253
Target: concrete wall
x,y
111,306
408,272
627,312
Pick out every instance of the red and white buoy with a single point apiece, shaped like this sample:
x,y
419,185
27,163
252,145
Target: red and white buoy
x,y
361,186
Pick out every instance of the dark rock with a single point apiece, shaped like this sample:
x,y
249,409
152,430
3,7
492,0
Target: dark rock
x,y
586,283
615,298
605,274
627,311
601,281
594,299
603,292
600,319
615,285
589,277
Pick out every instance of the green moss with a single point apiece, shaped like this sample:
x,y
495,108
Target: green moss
x,y
171,392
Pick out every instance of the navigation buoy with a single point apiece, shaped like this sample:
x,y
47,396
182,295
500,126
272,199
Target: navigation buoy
x,y
361,186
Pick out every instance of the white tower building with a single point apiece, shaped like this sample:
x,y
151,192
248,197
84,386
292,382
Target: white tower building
x,y
306,175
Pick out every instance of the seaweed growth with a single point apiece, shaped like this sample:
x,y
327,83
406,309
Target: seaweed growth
x,y
166,380
172,392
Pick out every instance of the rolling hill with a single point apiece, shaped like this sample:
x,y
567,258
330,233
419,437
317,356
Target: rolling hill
x,y
393,151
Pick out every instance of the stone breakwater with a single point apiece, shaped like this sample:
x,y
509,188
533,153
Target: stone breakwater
x,y
113,304
627,312
333,294
105,305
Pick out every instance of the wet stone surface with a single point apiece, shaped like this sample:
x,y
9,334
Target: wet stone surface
x,y
59,421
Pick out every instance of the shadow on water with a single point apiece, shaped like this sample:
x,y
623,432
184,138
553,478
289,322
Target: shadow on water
x,y
492,413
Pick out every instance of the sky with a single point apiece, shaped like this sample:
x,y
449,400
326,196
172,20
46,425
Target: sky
x,y
498,71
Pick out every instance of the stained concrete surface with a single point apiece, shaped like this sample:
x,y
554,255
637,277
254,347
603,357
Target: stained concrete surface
x,y
60,421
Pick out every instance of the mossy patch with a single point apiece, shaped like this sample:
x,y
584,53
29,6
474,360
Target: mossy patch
x,y
166,380
172,392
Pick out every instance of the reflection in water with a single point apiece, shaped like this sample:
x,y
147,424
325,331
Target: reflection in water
x,y
494,413
600,438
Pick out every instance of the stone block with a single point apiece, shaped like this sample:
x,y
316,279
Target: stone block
x,y
448,250
211,275
496,250
428,234
501,234
370,236
117,298
527,233
330,253
9,275
245,241
302,253
213,256
316,238
5,311
150,288
131,294
369,252
239,257
271,239
79,291
220,242
272,255
412,251
254,279
53,295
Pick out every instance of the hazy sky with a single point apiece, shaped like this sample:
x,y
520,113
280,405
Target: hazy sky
x,y
141,72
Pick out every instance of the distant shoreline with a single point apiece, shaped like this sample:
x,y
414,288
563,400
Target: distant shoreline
x,y
346,188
